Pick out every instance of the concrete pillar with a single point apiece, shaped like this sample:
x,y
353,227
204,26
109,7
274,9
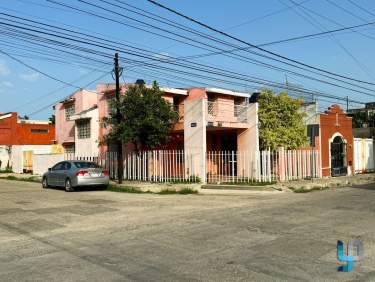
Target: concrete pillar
x,y
195,137
248,144
281,164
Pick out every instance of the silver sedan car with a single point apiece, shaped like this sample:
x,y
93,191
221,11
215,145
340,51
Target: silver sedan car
x,y
71,174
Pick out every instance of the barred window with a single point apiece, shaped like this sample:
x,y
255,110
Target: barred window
x,y
69,111
83,127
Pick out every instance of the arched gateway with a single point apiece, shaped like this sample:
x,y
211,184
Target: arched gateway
x,y
338,152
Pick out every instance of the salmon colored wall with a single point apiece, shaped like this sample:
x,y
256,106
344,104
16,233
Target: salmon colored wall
x,y
83,100
334,120
14,133
108,90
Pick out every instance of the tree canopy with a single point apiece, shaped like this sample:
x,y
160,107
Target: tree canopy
x,y
146,118
281,122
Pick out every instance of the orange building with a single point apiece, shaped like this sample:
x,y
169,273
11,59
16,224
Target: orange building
x,y
15,131
336,141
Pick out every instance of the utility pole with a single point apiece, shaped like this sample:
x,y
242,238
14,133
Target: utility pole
x,y
120,165
347,104
286,84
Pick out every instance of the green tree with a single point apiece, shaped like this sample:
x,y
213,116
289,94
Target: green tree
x,y
146,118
281,122
52,119
359,119
26,117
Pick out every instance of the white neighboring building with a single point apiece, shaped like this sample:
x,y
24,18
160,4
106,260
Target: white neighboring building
x,y
86,132
21,156
4,156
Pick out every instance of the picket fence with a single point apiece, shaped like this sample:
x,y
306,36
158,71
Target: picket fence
x,y
262,166
219,166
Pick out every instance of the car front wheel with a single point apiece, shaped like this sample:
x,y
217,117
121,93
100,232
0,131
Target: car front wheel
x,y
68,186
45,183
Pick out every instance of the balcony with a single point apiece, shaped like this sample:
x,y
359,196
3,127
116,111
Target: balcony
x,y
226,112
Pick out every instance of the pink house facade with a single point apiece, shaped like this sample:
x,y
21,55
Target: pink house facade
x,y
66,119
210,119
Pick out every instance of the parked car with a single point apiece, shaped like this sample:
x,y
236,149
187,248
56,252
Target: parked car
x,y
72,174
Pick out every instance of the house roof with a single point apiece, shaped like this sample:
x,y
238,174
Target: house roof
x,y
227,92
83,114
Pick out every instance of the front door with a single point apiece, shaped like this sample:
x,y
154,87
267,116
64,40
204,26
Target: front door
x,y
338,157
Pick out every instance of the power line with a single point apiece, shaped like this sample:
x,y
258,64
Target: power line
x,y
204,70
254,46
265,16
263,81
320,26
361,8
37,70
83,87
239,56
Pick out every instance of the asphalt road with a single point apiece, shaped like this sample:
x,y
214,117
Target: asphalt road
x,y
51,235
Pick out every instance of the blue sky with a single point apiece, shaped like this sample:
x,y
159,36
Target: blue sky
x,y
27,91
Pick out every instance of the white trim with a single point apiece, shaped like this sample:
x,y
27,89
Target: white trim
x,y
173,90
5,116
227,92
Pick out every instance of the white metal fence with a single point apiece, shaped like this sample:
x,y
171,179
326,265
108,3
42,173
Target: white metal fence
x,y
221,166
155,165
262,166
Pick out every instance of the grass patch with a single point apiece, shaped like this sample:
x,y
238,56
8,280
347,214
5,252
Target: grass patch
x,y
124,189
6,171
184,191
35,179
128,189
251,183
304,190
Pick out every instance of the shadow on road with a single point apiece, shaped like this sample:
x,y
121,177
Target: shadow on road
x,y
369,186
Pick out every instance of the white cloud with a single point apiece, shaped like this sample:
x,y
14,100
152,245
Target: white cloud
x,y
4,69
31,76
7,84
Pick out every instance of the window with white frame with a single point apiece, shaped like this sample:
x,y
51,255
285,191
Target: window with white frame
x,y
83,128
69,111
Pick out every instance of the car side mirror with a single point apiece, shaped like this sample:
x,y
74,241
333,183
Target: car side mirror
x,y
49,169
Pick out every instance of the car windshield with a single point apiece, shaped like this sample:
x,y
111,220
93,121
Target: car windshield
x,y
86,165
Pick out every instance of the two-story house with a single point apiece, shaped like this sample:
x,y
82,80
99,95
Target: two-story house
x,y
210,119
77,123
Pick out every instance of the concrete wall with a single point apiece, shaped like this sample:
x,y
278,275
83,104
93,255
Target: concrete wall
x,y
195,136
311,113
89,146
4,157
41,162
248,140
17,154
83,100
